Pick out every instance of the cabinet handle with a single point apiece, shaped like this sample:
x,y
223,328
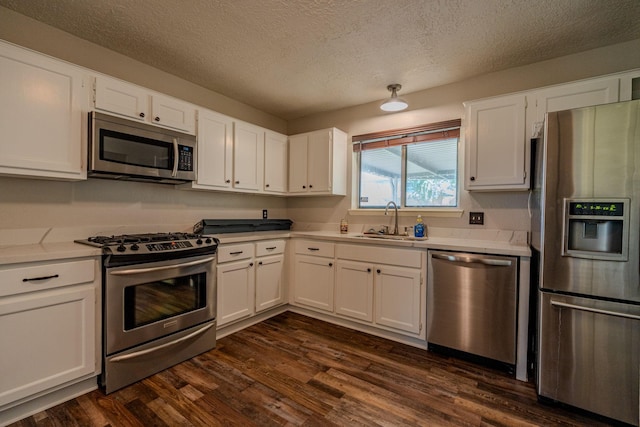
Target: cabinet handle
x,y
304,186
267,185
378,271
236,253
330,264
368,270
37,279
260,263
157,119
141,115
250,264
314,249
228,181
270,248
237,182
310,186
473,178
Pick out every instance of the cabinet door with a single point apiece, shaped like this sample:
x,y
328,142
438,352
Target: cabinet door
x,y
319,157
576,95
397,296
248,157
496,144
275,162
215,150
118,97
235,291
48,339
313,282
269,290
354,290
298,164
43,122
173,113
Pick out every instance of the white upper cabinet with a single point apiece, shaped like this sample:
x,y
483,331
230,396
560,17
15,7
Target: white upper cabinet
x,y
576,95
248,157
496,144
275,163
137,103
44,103
318,163
215,150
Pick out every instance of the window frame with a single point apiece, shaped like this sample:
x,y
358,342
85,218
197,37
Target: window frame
x,y
404,137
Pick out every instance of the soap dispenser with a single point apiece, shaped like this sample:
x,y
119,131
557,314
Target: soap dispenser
x,y
418,229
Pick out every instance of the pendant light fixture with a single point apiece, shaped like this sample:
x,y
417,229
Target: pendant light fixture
x,y
394,103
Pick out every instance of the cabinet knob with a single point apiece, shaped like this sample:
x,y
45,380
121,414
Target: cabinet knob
x,y
141,115
473,178
304,186
250,264
157,119
378,271
237,182
310,186
267,185
368,270
260,263
330,264
228,181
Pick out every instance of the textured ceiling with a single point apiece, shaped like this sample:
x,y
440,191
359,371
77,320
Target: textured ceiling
x,y
299,57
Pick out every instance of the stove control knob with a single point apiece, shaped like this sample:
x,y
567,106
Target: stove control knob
x,y
135,247
199,241
208,240
121,248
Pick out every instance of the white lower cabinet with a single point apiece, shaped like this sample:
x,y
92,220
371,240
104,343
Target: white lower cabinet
x,y
397,298
354,290
313,274
48,327
250,279
235,282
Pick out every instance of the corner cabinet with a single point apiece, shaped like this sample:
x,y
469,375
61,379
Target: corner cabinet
x,y
43,122
318,163
49,323
496,144
137,103
275,163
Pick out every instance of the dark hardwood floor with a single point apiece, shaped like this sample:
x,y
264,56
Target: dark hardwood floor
x,y
296,371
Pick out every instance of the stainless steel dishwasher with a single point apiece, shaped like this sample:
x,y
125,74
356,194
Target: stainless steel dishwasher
x,y
472,304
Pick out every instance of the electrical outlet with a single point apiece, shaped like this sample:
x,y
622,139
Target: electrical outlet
x,y
264,214
476,218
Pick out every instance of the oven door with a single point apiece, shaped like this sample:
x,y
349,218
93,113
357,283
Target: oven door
x,y
147,301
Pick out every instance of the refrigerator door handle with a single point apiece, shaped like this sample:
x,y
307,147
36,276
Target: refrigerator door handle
x,y
594,310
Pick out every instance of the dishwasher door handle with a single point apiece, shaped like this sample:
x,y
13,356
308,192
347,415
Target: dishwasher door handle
x,y
473,260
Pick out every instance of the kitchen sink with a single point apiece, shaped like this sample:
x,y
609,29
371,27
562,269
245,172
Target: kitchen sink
x,y
389,237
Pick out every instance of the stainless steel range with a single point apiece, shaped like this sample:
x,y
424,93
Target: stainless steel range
x,y
159,303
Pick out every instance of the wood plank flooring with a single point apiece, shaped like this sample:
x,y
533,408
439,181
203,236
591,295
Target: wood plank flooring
x,y
292,370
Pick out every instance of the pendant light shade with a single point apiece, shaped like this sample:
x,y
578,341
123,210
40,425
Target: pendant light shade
x,y
394,103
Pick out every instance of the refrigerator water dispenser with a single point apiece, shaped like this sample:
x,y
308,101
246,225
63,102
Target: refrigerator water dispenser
x,y
596,229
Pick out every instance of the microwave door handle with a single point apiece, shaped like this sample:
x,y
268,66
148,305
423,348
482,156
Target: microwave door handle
x,y
174,173
165,267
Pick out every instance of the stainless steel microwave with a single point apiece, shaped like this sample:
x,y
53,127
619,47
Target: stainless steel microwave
x,y
124,149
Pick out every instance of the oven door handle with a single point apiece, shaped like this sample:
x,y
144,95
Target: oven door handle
x,y
174,172
165,267
162,346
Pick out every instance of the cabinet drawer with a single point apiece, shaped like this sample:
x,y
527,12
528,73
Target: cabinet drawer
x,y
312,247
380,255
41,276
270,247
235,252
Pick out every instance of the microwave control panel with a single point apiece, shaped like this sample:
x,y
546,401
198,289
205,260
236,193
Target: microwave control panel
x,y
185,159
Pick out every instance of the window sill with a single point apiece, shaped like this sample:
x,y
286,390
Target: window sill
x,y
425,212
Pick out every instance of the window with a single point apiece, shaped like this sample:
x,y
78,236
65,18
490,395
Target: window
x,y
415,168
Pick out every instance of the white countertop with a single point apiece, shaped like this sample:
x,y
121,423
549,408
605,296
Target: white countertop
x,y
491,244
15,254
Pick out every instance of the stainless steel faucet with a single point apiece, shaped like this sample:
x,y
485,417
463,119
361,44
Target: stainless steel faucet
x,y
386,210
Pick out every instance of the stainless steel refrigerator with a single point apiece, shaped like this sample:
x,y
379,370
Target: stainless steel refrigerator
x,y
585,236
